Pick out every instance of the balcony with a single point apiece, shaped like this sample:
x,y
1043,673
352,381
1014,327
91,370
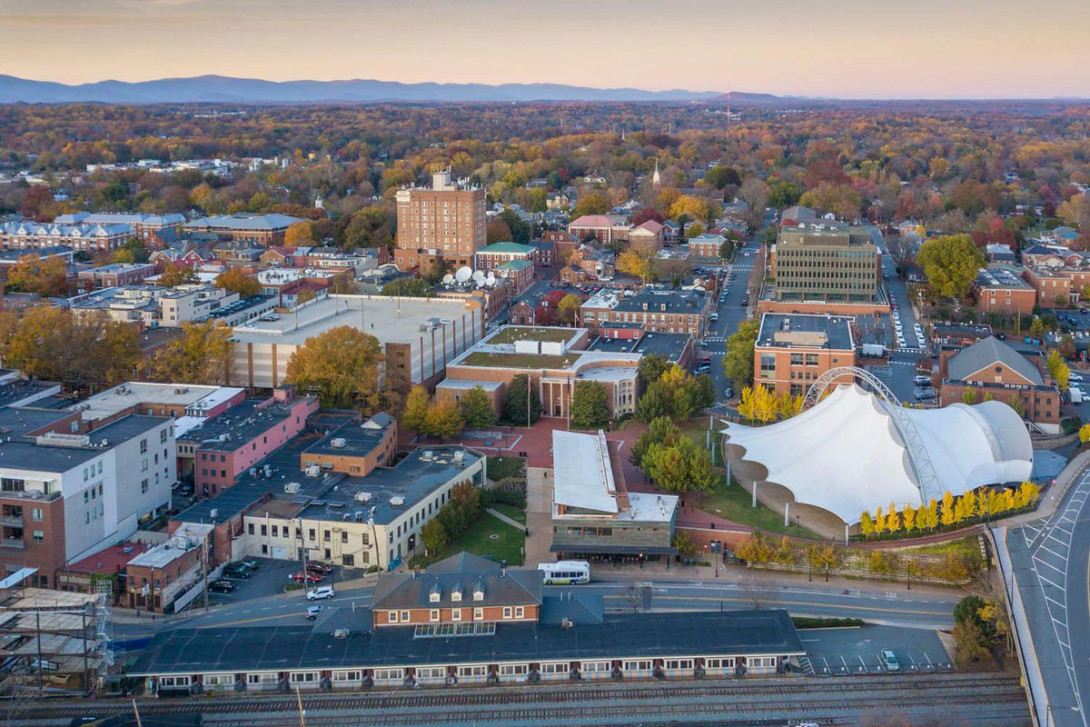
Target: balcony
x,y
13,521
12,544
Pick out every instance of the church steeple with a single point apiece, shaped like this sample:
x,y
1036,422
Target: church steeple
x,y
656,178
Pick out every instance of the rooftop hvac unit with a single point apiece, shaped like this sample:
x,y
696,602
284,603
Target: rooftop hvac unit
x,y
363,496
313,470
397,500
459,455
427,455
338,443
292,487
213,513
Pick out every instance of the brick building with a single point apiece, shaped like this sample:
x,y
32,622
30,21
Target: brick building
x,y
34,237
826,262
115,275
604,228
262,230
993,369
354,448
656,311
1002,290
445,222
144,226
793,351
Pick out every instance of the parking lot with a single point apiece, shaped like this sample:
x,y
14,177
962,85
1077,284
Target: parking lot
x,y
271,577
848,651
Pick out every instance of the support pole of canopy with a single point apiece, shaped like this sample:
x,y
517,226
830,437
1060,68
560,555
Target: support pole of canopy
x,y
754,493
787,514
846,526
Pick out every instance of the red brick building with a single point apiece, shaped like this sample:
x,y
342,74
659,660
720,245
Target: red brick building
x,y
793,351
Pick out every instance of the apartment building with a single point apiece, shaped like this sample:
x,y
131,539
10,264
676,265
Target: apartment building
x,y
115,276
32,236
444,222
826,262
66,494
794,350
144,226
656,311
354,448
604,228
418,336
152,306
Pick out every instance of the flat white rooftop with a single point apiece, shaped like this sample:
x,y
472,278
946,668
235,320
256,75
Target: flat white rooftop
x,y
386,318
113,401
582,476
647,507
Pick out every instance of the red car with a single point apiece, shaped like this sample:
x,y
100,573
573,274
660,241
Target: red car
x,y
309,577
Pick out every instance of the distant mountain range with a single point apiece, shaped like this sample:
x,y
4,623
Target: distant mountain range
x,y
223,89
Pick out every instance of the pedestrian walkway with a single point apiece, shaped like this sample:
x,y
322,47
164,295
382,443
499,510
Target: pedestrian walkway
x,y
510,521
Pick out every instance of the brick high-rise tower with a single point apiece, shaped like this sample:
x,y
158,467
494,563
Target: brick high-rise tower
x,y
445,222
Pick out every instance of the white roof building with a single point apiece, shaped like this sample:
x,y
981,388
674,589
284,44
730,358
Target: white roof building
x,y
848,453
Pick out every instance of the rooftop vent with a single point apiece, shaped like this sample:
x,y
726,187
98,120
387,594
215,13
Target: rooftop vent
x,y
363,497
338,443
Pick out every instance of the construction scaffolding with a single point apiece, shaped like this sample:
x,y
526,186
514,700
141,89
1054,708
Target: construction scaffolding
x,y
52,642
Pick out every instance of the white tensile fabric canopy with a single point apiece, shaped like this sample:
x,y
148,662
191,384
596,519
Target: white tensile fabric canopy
x,y
847,454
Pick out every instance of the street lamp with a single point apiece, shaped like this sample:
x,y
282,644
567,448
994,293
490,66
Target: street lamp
x,y
1049,721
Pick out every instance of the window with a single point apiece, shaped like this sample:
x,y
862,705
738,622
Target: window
x,y
36,514
507,612
519,613
386,675
638,665
405,617
392,617
679,663
513,669
456,614
348,676
596,666
250,528
39,536
304,677
264,531
275,531
344,536
144,486
472,671
143,446
478,614
557,668
162,436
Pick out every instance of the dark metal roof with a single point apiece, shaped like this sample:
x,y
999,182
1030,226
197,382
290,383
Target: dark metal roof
x,y
613,549
464,571
647,635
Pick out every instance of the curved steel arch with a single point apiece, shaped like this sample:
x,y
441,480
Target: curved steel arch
x,y
827,379
927,479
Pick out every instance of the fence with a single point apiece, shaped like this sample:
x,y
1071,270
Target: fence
x,y
189,596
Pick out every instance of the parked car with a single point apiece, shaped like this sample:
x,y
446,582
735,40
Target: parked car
x,y
890,660
923,394
312,612
319,568
921,380
320,593
221,586
251,564
307,577
237,570
728,392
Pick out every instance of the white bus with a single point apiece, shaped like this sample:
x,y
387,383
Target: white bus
x,y
565,572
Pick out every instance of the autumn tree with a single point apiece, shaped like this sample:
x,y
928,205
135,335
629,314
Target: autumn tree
x,y
174,275
951,263
41,346
691,207
866,523
594,203
1076,211
567,309
840,199
476,409
202,355
632,263
31,274
434,536
443,420
415,414
1058,370
589,405
236,281
720,176
299,234
758,404
341,365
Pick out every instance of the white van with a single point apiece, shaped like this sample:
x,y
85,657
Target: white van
x,y
320,593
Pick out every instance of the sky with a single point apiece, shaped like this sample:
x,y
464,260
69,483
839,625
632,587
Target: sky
x,y
838,48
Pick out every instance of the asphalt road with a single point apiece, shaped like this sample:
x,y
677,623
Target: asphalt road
x,y
895,606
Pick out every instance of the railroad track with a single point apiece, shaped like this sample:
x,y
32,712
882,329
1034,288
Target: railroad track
x,y
749,702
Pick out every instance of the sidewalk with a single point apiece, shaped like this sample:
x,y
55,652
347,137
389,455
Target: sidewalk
x,y
503,518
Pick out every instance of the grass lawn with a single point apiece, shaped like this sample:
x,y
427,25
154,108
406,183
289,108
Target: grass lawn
x,y
519,360
735,504
503,467
965,546
526,333
507,545
515,513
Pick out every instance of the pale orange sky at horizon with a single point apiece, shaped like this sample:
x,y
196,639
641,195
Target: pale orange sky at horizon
x,y
842,48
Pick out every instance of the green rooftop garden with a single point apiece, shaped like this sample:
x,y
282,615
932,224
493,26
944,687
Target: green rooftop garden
x,y
511,334
519,360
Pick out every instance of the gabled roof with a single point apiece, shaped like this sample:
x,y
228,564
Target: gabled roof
x,y
988,352
464,573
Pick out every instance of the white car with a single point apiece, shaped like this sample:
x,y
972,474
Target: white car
x,y
319,593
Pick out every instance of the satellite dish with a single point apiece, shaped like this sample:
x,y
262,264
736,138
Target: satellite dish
x,y
478,277
491,276
448,279
490,282
503,273
464,273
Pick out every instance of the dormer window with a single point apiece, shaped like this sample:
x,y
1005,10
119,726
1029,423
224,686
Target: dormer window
x,y
478,592
435,594
456,593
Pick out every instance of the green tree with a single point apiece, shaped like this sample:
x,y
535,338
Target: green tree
x,y
783,194
684,543
720,176
738,361
951,263
657,401
443,420
515,401
1015,402
476,409
434,536
682,467
567,309
968,396
651,368
342,365
407,288
415,415
661,430
726,249
590,405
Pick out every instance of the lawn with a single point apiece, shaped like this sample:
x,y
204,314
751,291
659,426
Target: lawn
x,y
508,544
515,513
735,504
525,333
500,468
518,360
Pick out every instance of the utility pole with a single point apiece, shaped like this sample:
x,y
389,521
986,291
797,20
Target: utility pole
x,y
204,569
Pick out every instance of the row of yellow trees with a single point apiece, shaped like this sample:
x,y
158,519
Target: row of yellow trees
x,y
760,404
985,502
